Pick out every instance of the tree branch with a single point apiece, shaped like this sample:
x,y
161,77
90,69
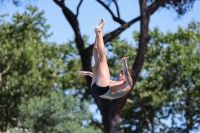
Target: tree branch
x,y
154,6
60,3
151,128
5,71
74,24
108,37
144,38
77,9
116,19
117,7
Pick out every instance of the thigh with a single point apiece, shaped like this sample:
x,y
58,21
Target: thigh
x,y
103,74
94,77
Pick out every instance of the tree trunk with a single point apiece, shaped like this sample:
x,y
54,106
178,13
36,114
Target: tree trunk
x,y
110,120
111,109
111,112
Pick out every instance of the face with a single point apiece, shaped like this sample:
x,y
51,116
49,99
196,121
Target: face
x,y
121,76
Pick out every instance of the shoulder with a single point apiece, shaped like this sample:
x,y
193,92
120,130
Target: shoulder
x,y
116,94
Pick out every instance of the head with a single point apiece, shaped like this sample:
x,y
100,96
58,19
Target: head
x,y
122,77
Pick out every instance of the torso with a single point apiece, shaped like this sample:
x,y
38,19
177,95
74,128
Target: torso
x,y
117,86
117,89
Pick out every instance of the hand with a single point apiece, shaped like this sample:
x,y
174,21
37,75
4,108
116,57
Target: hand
x,y
125,58
82,73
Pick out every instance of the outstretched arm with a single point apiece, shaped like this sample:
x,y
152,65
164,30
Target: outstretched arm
x,y
125,70
85,73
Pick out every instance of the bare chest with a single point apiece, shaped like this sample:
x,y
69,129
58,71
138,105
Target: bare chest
x,y
117,86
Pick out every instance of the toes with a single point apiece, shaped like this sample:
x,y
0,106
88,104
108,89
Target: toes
x,y
102,21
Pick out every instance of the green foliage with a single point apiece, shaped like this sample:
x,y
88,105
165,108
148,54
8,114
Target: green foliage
x,y
21,52
117,49
29,65
181,7
56,113
168,86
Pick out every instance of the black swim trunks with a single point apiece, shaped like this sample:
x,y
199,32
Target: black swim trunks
x,y
98,90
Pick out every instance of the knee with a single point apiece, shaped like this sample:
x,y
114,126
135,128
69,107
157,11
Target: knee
x,y
103,53
103,58
95,47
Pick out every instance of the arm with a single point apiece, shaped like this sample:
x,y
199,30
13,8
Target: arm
x,y
85,73
125,70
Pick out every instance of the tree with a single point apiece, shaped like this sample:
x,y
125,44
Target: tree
x,y
29,65
56,113
167,93
111,112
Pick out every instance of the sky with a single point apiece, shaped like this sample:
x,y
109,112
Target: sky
x,y
90,14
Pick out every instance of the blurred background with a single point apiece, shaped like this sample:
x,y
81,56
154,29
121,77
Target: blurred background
x,y
44,43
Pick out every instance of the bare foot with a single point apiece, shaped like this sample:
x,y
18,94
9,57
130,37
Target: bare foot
x,y
100,26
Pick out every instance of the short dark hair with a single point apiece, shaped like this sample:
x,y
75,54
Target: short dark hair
x,y
131,72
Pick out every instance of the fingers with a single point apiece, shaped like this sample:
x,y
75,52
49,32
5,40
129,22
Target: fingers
x,y
125,58
81,73
78,72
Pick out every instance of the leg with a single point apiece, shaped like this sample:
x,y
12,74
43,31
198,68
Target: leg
x,y
103,74
96,60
